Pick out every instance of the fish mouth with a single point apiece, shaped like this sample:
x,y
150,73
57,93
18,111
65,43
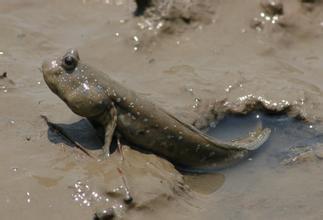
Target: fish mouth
x,y
49,68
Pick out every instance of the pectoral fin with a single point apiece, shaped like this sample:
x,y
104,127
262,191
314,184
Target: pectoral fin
x,y
110,126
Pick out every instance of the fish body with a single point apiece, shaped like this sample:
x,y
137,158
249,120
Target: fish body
x,y
118,111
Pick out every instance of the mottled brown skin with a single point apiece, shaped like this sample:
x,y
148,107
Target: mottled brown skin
x,y
116,110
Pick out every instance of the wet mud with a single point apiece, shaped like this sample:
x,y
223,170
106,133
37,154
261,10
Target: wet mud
x,y
202,63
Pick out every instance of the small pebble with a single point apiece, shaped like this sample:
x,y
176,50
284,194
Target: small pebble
x,y
105,215
128,199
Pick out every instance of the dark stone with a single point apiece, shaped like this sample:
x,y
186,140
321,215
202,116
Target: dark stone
x,y
105,215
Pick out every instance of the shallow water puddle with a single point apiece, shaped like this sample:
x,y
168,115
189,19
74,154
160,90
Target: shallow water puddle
x,y
280,181
291,142
204,184
289,139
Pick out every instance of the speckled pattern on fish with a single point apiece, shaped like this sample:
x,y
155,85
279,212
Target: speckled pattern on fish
x,y
117,111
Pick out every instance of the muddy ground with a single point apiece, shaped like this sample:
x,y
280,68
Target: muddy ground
x,y
197,62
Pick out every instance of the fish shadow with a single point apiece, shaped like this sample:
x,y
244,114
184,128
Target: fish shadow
x,y
81,132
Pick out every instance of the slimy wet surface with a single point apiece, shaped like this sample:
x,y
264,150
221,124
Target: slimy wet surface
x,y
289,138
270,51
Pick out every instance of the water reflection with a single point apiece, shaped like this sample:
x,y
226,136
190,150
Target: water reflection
x,y
287,135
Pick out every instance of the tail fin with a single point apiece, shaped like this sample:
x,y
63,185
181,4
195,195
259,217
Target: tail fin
x,y
250,143
246,147
254,141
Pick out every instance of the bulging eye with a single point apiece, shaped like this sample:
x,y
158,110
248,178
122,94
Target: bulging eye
x,y
69,62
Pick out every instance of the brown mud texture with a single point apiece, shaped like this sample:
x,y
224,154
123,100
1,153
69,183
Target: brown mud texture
x,y
198,59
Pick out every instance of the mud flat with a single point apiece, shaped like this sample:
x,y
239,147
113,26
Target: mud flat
x,y
205,62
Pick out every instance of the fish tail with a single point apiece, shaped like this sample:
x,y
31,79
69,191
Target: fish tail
x,y
251,143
